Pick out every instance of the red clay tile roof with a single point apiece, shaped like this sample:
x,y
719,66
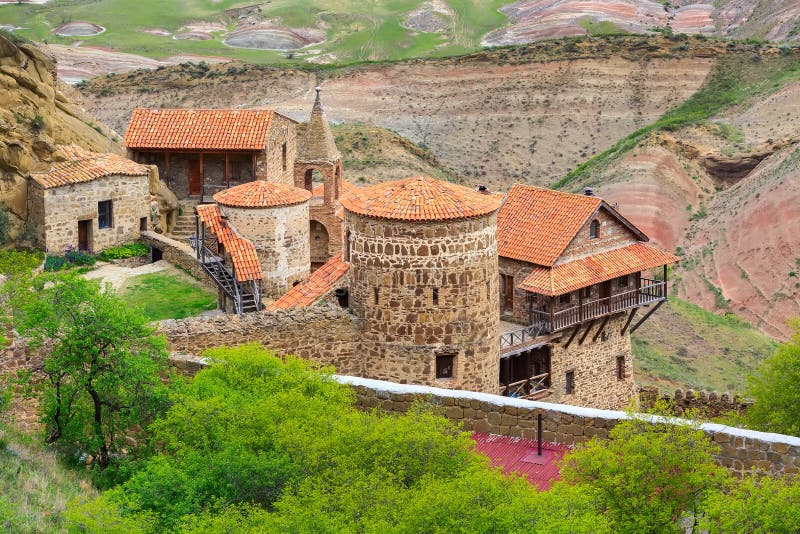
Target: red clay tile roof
x,y
519,455
318,284
536,225
199,129
84,166
261,194
347,187
243,252
419,199
594,269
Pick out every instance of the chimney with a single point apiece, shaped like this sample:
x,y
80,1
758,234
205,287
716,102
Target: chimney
x,y
588,191
482,189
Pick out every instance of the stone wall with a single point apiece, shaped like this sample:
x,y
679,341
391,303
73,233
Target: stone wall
x,y
281,237
594,366
740,450
278,166
519,311
179,254
57,210
427,290
323,209
612,234
707,403
324,334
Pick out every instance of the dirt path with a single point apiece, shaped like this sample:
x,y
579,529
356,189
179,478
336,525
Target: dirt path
x,y
118,276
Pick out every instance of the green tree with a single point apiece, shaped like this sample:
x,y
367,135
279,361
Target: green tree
x,y
652,474
102,365
775,387
756,504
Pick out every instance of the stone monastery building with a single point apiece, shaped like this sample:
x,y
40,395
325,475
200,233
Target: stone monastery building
x,y
530,294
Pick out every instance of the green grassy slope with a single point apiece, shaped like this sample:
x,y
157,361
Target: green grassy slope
x,y
168,295
356,30
682,345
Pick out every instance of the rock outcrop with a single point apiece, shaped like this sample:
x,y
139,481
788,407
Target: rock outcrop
x,y
35,118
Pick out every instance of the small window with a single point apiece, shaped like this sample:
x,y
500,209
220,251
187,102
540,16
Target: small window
x,y
569,382
444,365
284,158
623,281
435,296
143,224
347,246
565,298
594,229
376,294
621,367
586,292
104,214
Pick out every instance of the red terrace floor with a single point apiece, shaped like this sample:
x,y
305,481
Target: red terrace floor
x,y
520,455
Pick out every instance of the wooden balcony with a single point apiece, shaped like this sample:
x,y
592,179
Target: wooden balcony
x,y
554,321
535,387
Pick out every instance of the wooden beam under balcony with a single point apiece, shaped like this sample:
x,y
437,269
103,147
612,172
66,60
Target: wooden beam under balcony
x,y
600,330
647,315
628,322
586,333
574,333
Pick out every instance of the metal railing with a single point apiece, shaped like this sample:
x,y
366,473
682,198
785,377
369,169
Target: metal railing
x,y
526,388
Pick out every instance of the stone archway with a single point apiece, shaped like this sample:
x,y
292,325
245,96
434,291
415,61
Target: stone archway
x,y
319,244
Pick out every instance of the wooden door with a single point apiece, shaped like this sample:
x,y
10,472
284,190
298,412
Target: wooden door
x,y
508,291
83,235
605,294
195,178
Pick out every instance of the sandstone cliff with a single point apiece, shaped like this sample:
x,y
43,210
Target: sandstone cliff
x,y
35,118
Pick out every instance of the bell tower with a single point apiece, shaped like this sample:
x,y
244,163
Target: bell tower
x,y
318,157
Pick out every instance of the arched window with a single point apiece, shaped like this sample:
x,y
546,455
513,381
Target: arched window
x,y
594,229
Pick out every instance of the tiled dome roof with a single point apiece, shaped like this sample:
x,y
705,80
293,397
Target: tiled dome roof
x,y
419,199
261,194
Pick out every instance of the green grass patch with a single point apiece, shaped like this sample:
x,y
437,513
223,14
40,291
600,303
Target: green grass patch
x,y
734,80
168,295
18,261
35,487
600,27
683,345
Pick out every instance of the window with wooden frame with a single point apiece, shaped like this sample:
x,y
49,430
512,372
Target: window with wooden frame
x,y
104,214
594,229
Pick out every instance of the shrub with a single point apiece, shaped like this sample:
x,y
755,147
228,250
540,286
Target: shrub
x,y
131,250
80,257
37,123
18,261
70,259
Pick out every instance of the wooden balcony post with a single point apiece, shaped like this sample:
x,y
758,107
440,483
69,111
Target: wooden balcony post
x,y
552,314
665,281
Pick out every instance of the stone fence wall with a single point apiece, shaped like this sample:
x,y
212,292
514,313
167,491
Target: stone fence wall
x,y
325,334
179,254
708,404
740,449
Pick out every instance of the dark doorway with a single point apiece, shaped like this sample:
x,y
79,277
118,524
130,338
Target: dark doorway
x,y
84,235
507,286
605,295
156,254
195,178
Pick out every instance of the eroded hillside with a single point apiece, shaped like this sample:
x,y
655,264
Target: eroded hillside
x,y
35,118
526,114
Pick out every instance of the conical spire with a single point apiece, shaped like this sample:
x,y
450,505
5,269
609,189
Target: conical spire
x,y
318,145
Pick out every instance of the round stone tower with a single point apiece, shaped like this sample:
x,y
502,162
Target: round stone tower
x,y
274,217
424,281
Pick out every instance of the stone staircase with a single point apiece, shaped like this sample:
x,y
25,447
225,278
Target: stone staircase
x,y
185,222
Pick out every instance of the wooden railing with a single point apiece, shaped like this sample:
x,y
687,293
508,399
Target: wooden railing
x,y
650,291
526,388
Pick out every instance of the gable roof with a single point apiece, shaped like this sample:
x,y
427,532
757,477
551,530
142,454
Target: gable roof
x,y
199,129
536,225
317,285
572,275
420,198
317,144
243,252
82,165
261,194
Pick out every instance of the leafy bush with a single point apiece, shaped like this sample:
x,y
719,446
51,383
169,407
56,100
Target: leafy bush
x,y
71,258
5,223
19,261
131,250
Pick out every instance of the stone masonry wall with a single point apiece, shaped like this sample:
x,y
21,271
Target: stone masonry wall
x,y
274,167
323,209
62,208
424,290
707,403
324,334
179,254
740,450
519,270
281,238
594,365
612,234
